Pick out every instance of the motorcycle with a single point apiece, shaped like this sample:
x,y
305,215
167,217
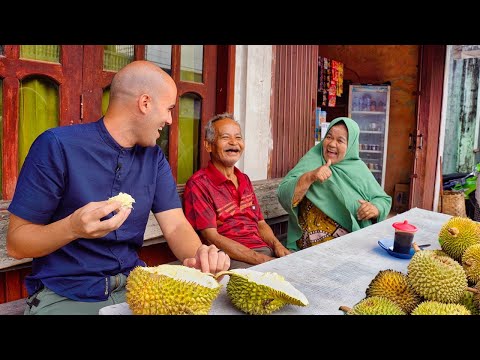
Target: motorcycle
x,y
466,183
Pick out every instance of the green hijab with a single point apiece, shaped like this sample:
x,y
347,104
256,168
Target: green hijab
x,y
337,197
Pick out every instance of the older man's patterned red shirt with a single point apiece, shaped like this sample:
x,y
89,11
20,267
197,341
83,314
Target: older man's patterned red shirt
x,y
211,201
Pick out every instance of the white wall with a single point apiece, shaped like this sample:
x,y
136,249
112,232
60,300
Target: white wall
x,y
441,140
253,86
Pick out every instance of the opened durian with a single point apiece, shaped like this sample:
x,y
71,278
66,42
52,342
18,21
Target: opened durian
x,y
471,263
436,277
259,293
393,285
438,308
457,234
170,290
375,305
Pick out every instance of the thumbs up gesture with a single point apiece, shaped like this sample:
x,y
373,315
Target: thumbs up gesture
x,y
323,173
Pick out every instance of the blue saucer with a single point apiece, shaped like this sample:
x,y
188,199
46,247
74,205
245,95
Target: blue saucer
x,y
387,245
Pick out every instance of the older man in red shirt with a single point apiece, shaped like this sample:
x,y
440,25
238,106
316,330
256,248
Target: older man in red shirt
x,y
220,202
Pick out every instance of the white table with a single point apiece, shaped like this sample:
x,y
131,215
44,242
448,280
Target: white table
x,y
337,272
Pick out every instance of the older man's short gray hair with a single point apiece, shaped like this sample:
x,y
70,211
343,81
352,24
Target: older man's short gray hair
x,y
210,130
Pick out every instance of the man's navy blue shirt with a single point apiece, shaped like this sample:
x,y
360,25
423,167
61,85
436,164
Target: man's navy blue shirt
x,y
66,168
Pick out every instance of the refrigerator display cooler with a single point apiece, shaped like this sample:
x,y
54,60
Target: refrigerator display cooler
x,y
369,106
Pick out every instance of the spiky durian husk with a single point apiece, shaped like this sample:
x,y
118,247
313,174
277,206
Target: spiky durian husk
x,y
258,293
471,263
441,253
457,234
467,301
376,305
476,297
149,291
438,308
436,277
393,285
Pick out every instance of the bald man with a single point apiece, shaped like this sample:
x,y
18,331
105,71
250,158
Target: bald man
x,y
83,246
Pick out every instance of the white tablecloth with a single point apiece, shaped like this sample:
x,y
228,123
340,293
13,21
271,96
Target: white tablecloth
x,y
337,272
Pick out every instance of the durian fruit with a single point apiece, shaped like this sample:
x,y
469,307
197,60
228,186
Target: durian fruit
x,y
170,290
467,301
259,293
438,308
436,277
375,305
393,285
457,234
471,263
441,253
126,199
476,295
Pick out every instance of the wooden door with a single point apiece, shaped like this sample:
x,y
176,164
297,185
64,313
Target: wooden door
x,y
424,142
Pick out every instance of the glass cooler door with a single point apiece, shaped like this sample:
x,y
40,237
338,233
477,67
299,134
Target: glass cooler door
x,y
369,107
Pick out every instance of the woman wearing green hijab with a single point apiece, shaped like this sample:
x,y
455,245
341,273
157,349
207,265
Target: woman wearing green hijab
x,y
331,192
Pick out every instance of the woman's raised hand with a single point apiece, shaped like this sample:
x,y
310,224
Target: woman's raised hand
x,y
323,172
